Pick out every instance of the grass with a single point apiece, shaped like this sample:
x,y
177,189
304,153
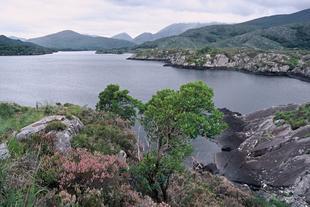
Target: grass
x,y
14,117
16,148
296,118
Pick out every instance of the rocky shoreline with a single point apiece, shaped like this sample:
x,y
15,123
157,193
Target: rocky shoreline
x,y
260,63
267,155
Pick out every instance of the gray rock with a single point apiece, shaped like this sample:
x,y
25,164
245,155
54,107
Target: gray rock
x,y
62,138
272,157
122,155
220,60
4,151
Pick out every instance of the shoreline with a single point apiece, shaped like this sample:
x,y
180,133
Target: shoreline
x,y
167,63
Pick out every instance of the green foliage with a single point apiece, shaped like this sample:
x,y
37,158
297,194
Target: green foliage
x,y
261,202
15,147
55,126
296,118
293,61
14,117
188,112
104,138
152,176
117,101
170,119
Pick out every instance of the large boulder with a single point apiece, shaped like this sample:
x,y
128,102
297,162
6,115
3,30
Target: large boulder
x,y
62,137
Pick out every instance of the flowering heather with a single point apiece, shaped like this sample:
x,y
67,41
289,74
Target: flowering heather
x,y
89,170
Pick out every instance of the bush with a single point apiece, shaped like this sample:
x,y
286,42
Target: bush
x,y
49,171
55,126
119,102
87,176
104,138
8,110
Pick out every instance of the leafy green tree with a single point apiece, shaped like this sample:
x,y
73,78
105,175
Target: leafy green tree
x,y
117,101
171,118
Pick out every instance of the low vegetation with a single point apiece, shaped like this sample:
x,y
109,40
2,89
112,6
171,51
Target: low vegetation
x,y
94,173
55,126
296,118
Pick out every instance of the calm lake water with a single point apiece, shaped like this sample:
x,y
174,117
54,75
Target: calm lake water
x,y
78,77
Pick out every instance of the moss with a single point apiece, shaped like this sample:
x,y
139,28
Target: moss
x,y
55,126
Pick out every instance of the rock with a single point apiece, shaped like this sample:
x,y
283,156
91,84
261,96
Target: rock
x,y
267,63
62,138
271,156
4,151
122,155
200,167
220,60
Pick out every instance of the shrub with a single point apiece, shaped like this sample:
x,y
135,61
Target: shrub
x,y
55,126
8,110
49,171
104,138
117,101
83,172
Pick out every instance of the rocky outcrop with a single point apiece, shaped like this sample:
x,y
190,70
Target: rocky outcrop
x,y
62,138
258,62
4,151
267,155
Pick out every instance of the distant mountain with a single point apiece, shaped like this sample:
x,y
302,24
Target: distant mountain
x,y
16,47
70,40
123,36
18,38
171,30
144,37
273,32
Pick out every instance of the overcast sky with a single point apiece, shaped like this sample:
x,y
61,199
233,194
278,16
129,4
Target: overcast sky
x,y
32,18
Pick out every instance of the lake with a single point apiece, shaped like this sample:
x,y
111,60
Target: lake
x,y
78,77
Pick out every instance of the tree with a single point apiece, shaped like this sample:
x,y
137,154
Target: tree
x,y
171,118
117,101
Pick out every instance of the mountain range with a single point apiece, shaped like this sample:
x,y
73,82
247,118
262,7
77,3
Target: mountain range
x,y
171,30
273,32
70,40
16,47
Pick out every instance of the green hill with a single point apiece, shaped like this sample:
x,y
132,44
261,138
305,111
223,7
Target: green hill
x,y
16,47
274,32
70,40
